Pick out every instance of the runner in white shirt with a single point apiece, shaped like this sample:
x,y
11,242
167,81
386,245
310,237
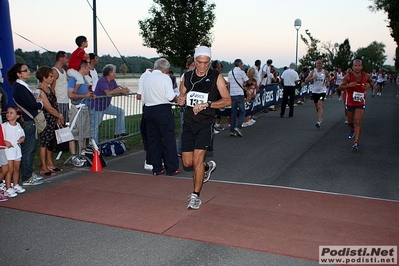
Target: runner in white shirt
x,y
380,82
320,78
338,80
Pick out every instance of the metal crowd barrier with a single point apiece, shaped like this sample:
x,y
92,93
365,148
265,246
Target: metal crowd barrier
x,y
133,112
132,109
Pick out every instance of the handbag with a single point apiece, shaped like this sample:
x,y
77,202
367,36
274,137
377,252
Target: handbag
x,y
63,134
39,119
58,147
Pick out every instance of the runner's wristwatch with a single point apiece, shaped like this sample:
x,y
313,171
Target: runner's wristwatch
x,y
209,104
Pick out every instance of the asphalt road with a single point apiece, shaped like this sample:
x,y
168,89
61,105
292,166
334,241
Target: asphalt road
x,y
292,152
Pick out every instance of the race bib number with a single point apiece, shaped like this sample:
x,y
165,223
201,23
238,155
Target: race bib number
x,y
358,96
195,97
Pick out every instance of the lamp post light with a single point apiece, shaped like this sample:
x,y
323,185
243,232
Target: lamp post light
x,y
297,25
336,48
335,54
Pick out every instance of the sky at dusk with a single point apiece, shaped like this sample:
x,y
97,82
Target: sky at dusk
x,y
250,29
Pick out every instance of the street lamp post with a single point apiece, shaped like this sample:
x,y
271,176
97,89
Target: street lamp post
x,y
297,25
95,26
335,53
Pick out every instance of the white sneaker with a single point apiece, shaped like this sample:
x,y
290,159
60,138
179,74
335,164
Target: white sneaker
x,y
147,167
238,131
19,189
32,182
216,131
77,162
251,122
218,127
245,124
37,177
194,202
10,193
211,168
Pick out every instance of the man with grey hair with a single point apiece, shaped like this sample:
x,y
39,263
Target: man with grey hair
x,y
235,82
202,90
107,86
158,96
289,79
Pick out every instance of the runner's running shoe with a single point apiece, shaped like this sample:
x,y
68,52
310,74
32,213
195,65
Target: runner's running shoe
x,y
211,168
351,133
194,202
355,146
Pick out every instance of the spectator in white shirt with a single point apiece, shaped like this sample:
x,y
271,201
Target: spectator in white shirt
x,y
289,79
235,83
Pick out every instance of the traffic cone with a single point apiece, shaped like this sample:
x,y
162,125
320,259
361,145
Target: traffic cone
x,y
96,163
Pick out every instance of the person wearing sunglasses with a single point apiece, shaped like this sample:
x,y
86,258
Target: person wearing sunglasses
x,y
24,97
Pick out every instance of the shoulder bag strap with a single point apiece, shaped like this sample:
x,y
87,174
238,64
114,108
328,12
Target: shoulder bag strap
x,y
23,109
232,72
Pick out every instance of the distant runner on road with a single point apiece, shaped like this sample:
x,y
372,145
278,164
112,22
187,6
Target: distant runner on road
x,y
355,83
319,76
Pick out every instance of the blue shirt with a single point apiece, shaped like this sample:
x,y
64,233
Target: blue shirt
x,y
83,89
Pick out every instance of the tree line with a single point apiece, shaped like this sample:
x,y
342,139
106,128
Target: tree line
x,y
341,56
128,64
35,59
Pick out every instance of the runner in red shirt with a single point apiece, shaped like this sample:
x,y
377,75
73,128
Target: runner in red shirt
x,y
355,83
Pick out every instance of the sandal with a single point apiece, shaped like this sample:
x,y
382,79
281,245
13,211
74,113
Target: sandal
x,y
55,169
49,173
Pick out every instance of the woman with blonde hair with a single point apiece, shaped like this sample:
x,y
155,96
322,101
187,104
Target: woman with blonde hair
x,y
251,88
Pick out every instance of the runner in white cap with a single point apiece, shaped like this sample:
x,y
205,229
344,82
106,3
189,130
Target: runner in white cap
x,y
202,90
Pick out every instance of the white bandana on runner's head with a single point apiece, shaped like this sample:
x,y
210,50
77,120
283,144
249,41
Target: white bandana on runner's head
x,y
202,50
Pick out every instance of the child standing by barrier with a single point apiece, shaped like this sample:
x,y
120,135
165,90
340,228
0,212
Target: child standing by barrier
x,y
13,136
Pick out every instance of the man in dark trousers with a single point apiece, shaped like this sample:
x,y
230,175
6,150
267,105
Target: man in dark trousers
x,y
289,79
158,96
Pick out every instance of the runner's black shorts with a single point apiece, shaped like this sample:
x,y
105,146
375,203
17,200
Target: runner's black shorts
x,y
353,107
318,97
196,136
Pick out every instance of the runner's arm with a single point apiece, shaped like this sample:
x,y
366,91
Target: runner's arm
x,y
224,93
181,99
345,83
310,76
